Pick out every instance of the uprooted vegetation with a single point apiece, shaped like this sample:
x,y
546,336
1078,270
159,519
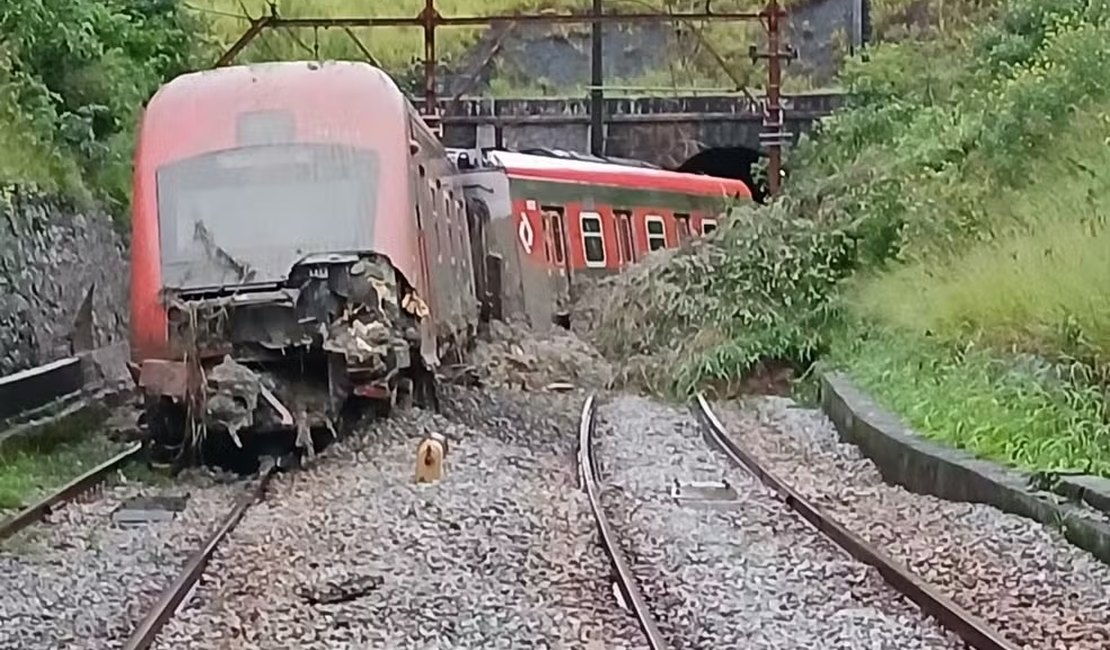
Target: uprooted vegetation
x,y
916,233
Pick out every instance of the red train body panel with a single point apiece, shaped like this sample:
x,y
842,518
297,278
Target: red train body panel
x,y
201,113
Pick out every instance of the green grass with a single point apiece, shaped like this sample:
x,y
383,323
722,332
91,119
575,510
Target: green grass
x,y
1034,290
974,399
32,464
1037,284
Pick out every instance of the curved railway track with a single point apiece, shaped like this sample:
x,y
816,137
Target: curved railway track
x,y
626,581
972,630
87,482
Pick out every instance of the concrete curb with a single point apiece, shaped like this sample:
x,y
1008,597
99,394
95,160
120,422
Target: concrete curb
x,y
64,389
35,388
925,467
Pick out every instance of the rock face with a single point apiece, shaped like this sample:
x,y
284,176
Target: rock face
x,y
51,255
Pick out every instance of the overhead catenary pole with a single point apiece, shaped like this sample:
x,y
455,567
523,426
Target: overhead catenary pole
x,y
774,116
597,94
773,136
430,18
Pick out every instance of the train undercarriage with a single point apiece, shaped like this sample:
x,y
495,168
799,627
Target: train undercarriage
x,y
281,371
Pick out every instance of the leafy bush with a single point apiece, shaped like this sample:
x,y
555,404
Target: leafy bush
x,y
75,74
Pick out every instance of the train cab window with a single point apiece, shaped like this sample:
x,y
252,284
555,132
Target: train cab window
x,y
624,234
553,225
593,240
682,223
708,226
656,235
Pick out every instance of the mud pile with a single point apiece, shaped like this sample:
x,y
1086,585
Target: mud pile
x,y
518,358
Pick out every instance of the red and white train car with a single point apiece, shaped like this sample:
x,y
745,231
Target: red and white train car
x,y
576,216
600,216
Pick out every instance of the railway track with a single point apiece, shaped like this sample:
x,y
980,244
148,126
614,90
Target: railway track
x,y
625,578
94,566
354,554
762,568
88,482
767,558
175,593
975,632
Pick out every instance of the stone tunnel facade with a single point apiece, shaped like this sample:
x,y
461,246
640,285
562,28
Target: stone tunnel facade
x,y
664,131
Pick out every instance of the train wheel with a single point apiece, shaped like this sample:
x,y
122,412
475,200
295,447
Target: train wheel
x,y
165,424
424,387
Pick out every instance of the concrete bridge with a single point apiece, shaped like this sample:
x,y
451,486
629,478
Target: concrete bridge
x,y
667,131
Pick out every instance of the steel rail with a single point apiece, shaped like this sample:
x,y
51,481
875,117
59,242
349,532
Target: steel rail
x,y
68,492
970,628
172,596
626,581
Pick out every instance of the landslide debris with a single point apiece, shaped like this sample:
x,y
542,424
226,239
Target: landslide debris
x,y
753,296
515,357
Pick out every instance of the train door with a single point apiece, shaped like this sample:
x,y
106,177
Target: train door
x,y
555,240
477,219
682,225
624,236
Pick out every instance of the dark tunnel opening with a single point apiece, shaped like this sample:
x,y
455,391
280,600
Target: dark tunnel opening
x,y
729,162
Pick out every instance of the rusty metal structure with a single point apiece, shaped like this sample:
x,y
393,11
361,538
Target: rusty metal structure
x,y
430,20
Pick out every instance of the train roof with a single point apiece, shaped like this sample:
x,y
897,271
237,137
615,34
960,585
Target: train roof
x,y
254,82
330,101
560,169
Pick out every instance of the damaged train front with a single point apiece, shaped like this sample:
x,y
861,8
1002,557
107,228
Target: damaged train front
x,y
279,313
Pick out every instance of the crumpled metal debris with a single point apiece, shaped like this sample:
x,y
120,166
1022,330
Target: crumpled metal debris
x,y
232,396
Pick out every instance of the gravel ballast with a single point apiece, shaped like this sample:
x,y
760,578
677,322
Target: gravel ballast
x,y
750,576
1021,577
81,581
351,553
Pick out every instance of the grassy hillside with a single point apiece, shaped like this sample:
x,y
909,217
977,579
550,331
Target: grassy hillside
x,y
940,240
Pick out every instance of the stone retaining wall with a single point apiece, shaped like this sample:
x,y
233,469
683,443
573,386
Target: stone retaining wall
x,y
51,255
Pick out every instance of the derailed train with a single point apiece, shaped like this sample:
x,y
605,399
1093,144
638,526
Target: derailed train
x,y
302,242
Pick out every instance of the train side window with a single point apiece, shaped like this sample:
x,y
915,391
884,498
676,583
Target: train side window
x,y
708,226
656,235
553,223
682,222
624,234
593,240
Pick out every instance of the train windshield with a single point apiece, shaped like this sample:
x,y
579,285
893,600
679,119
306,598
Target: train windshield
x,y
247,215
